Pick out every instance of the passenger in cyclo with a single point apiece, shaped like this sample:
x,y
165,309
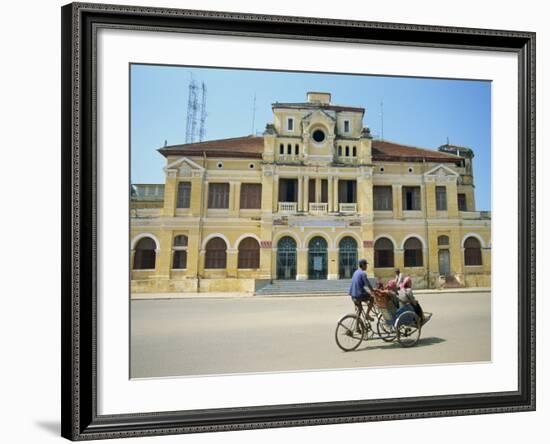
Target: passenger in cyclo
x,y
357,291
404,293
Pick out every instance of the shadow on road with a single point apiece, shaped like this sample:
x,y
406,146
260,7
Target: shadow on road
x,y
378,344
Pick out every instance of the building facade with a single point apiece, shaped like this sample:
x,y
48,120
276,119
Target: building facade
x,y
305,201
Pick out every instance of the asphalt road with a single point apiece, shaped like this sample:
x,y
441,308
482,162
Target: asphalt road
x,y
179,337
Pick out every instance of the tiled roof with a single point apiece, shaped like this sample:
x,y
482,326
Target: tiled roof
x,y
391,151
244,147
251,147
317,105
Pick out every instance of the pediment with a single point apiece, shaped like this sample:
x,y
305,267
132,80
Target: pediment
x,y
320,116
184,167
441,173
441,170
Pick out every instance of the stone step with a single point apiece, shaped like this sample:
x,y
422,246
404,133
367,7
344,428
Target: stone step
x,y
313,287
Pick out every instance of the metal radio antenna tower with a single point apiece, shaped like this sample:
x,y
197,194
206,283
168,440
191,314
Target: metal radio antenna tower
x,y
202,130
382,120
254,116
192,110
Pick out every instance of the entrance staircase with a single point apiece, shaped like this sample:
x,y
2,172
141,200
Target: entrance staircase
x,y
310,287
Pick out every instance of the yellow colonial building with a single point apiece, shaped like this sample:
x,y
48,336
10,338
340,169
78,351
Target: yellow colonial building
x,y
305,201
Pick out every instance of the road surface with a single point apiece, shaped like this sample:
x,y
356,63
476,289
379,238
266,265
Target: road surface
x,y
181,337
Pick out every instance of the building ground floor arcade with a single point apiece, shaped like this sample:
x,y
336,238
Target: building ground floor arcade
x,y
243,256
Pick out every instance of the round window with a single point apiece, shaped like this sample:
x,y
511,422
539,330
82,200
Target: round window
x,y
318,135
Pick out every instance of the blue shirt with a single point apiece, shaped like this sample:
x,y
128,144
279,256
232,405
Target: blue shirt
x,y
359,281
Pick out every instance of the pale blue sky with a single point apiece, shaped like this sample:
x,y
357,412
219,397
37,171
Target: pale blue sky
x,y
417,111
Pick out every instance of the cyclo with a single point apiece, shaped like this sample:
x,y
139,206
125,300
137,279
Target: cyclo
x,y
391,322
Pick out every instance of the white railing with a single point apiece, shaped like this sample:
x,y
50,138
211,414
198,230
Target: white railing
x,y
318,207
289,157
287,207
348,208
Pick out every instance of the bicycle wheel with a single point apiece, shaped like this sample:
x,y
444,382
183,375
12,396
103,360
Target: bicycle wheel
x,y
349,333
385,331
408,326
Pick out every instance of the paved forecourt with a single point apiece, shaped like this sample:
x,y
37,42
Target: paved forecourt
x,y
202,336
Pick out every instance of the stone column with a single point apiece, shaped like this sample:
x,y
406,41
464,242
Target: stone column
x,y
234,198
333,263
397,201
301,266
170,193
275,193
399,258
428,199
232,262
330,185
164,255
193,249
306,194
317,189
335,195
300,203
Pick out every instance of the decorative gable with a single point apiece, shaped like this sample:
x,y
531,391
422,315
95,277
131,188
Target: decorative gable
x,y
441,174
184,167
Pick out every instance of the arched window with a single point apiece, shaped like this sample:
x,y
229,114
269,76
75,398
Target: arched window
x,y
413,253
383,253
296,149
216,253
443,240
249,253
340,150
472,251
354,151
281,149
145,254
179,259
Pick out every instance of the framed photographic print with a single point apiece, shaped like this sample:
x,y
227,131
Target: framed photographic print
x,y
262,212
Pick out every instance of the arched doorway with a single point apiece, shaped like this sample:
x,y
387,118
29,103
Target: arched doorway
x,y
286,258
347,257
317,258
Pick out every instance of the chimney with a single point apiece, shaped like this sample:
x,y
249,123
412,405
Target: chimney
x,y
318,97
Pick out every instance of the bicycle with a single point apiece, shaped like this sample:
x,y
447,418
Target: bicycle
x,y
392,323
354,328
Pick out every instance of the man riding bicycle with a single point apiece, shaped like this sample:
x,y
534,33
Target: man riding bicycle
x,y
357,290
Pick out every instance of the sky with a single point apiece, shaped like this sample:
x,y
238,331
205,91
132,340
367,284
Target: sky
x,y
422,112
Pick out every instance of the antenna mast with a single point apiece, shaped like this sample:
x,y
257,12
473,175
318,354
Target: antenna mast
x,y
202,131
253,115
382,119
192,109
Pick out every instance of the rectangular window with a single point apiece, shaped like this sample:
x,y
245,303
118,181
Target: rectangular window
x,y
324,190
288,190
218,195
347,191
290,124
184,194
411,198
346,126
462,202
311,190
383,198
251,196
441,198
180,260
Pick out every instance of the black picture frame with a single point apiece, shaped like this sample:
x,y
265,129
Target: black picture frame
x,y
80,420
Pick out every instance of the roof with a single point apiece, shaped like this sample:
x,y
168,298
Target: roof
x,y
244,147
391,151
251,147
317,105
